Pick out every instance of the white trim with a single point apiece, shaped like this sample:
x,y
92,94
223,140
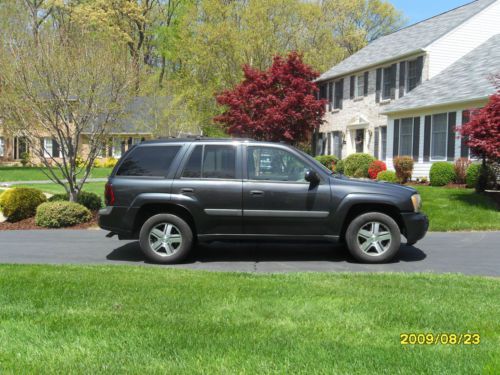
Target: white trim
x,y
48,149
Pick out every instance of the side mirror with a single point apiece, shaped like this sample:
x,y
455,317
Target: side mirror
x,y
311,177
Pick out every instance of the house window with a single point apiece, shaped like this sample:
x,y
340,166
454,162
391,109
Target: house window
x,y
117,147
2,147
406,137
386,83
339,88
383,142
439,136
48,150
360,85
412,75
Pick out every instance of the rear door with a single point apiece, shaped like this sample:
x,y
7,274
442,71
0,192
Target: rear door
x,y
209,183
276,198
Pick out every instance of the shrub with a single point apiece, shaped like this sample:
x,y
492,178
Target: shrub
x,y
25,159
328,161
404,168
90,200
61,214
357,164
472,174
442,173
21,203
388,176
105,163
460,167
339,167
375,167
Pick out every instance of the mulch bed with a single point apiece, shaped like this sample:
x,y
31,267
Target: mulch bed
x,y
28,224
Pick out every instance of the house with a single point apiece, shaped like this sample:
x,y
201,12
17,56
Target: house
x,y
140,121
373,93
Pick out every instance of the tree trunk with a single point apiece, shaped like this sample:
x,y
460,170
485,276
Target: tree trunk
x,y
73,196
482,180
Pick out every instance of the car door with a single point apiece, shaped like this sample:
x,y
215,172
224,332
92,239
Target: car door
x,y
276,198
209,184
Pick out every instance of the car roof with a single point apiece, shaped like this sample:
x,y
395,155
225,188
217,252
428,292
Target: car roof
x,y
205,140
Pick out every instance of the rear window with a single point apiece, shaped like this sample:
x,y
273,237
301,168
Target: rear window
x,y
149,161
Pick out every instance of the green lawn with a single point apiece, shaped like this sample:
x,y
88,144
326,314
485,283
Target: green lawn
x,y
116,319
32,173
458,209
93,187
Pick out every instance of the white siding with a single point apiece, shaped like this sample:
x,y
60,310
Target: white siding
x,y
463,39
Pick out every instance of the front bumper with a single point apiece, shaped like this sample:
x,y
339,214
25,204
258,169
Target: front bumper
x,y
416,225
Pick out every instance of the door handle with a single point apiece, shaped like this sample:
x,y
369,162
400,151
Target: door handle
x,y
256,193
187,190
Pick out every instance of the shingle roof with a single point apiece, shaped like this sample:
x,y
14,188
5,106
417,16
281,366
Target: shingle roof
x,y
406,41
467,79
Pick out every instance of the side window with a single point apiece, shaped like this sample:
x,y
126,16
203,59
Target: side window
x,y
149,161
274,164
211,161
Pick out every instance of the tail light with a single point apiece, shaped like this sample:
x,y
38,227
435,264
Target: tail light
x,y
109,195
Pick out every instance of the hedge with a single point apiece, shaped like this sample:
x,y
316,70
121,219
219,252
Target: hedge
x,y
357,165
21,203
90,200
388,176
61,214
442,173
328,161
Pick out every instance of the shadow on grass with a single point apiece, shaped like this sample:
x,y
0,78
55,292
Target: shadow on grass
x,y
264,252
476,200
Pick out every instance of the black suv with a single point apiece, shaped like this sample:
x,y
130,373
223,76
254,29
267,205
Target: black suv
x,y
171,193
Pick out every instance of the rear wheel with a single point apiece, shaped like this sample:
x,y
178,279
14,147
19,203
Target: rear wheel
x,y
166,238
373,237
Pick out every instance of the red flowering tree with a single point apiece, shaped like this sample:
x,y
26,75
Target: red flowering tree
x,y
483,136
278,104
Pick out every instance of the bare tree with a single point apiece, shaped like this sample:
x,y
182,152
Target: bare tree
x,y
66,86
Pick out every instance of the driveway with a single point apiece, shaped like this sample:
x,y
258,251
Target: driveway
x,y
474,253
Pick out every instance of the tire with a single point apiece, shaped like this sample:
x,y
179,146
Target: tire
x,y
373,237
166,239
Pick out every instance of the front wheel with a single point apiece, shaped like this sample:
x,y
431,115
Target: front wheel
x,y
373,237
166,238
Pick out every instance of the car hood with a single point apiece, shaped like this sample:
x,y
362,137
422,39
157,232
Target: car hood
x,y
379,187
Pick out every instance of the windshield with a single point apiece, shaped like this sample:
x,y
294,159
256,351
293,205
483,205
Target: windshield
x,y
315,162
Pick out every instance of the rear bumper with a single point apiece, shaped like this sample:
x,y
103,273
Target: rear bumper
x,y
114,220
416,225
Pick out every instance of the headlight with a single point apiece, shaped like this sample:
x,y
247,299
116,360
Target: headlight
x,y
417,202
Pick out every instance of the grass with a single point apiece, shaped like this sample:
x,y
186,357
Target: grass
x,y
115,319
458,209
93,187
8,174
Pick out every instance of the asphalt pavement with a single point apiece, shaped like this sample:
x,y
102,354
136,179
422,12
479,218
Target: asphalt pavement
x,y
473,253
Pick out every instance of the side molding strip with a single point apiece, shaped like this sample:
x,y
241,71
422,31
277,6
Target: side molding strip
x,y
285,213
223,212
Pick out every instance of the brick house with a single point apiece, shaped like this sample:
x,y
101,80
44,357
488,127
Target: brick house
x,y
391,97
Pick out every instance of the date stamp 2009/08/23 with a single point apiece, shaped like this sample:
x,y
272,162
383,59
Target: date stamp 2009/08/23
x,y
410,338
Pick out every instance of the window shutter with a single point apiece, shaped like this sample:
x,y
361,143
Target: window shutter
x,y
352,88
427,138
365,86
452,121
110,147
378,84
329,135
394,68
395,145
464,149
416,137
341,94
420,67
402,80
42,145
375,143
55,149
330,96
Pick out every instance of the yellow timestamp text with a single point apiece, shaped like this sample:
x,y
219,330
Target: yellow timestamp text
x,y
442,338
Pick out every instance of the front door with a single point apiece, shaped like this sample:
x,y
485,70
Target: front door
x,y
359,140
276,198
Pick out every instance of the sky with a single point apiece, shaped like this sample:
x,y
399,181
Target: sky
x,y
418,10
